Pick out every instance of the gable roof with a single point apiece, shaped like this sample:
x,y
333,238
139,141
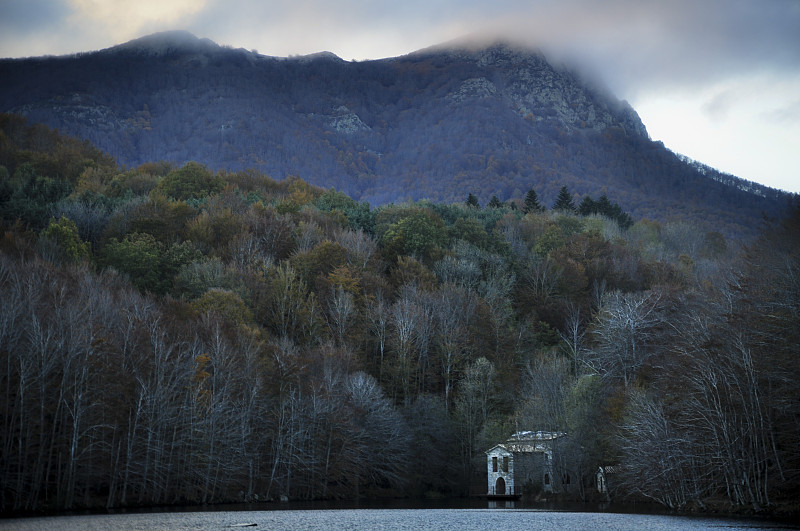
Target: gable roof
x,y
535,436
528,442
498,447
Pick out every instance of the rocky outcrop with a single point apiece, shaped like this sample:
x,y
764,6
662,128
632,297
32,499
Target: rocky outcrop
x,y
473,88
347,122
540,91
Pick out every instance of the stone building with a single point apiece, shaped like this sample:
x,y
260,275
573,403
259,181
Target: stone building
x,y
525,460
604,473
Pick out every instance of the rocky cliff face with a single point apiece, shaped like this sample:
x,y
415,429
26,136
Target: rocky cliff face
x,y
537,90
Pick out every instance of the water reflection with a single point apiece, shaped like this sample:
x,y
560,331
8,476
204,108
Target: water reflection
x,y
502,504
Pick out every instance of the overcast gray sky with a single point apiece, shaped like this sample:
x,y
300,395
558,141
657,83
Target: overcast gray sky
x,y
717,80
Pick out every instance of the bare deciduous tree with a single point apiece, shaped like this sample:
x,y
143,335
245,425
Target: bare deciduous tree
x,y
473,406
454,310
572,336
624,329
378,317
541,277
340,313
657,460
360,246
404,316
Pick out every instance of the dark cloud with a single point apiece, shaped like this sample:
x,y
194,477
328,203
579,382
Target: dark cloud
x,y
644,44
29,22
23,16
33,27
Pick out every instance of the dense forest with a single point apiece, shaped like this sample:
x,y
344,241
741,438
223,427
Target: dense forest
x,y
172,334
497,120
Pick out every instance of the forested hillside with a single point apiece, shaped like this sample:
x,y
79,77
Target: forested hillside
x,y
172,335
494,120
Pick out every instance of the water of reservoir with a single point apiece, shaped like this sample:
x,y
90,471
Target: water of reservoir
x,y
385,519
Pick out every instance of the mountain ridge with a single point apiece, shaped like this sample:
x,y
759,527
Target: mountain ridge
x,y
165,42
437,123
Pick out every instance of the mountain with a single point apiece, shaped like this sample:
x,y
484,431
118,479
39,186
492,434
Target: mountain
x,y
439,123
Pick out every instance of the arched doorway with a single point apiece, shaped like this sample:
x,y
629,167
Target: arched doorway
x,y
500,487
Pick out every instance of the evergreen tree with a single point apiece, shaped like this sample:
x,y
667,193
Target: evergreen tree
x,y
472,201
624,220
606,208
494,202
587,207
532,202
564,200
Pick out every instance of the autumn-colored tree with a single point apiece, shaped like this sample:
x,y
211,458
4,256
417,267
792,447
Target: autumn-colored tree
x,y
470,230
226,304
150,264
411,271
62,236
319,261
421,234
553,238
192,181
215,230
158,216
